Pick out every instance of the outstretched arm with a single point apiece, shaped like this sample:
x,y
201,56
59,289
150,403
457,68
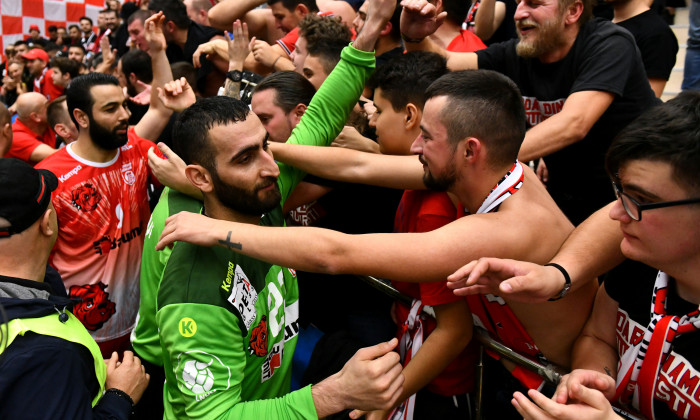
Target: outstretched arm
x,y
347,165
592,249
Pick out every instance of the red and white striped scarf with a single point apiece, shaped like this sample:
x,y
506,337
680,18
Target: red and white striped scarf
x,y
639,367
412,331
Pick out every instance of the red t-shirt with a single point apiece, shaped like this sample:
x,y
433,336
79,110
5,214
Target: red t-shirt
x,y
103,213
425,211
45,86
24,141
466,41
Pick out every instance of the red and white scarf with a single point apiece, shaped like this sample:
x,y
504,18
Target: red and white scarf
x,y
639,367
412,330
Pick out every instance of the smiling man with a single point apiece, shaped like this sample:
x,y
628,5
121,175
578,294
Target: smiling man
x,y
582,81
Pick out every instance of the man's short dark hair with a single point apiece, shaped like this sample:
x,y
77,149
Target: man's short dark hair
x,y
66,65
108,10
486,105
78,94
50,46
20,42
185,69
77,45
328,51
405,78
292,4
668,133
139,63
174,11
74,26
140,15
456,10
191,129
395,21
85,18
291,89
54,111
52,28
313,28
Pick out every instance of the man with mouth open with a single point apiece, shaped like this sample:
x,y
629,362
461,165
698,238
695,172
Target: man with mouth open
x,y
582,81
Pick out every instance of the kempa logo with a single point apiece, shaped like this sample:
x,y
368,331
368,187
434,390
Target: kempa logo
x,y
187,327
64,177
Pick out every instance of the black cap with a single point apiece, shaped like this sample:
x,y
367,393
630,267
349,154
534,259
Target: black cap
x,y
25,194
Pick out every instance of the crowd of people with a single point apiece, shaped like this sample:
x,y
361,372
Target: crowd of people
x,y
201,203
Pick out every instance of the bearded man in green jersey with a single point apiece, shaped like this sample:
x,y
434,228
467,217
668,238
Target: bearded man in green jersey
x,y
228,323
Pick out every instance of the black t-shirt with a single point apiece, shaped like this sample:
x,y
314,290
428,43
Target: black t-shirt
x,y
656,42
506,30
196,34
603,58
631,284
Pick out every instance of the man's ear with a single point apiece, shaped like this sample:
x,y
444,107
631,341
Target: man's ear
x,y
200,177
82,118
413,116
472,149
132,79
387,29
301,10
45,226
170,26
298,112
61,130
573,12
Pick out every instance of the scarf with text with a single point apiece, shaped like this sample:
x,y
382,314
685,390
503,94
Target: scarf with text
x,y
639,367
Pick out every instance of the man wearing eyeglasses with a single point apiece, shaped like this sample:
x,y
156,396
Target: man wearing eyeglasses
x,y
639,347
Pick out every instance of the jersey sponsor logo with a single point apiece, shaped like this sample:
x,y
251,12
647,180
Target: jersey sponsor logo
x,y
128,174
678,384
86,197
272,362
307,214
291,321
187,327
95,309
258,338
106,243
243,295
538,111
201,373
67,175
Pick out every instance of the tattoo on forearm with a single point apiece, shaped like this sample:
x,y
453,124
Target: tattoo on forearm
x,y
230,245
232,89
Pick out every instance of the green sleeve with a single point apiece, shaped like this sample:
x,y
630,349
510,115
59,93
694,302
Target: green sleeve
x,y
205,363
329,108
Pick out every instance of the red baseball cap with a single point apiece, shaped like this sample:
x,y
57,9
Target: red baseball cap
x,y
34,27
35,53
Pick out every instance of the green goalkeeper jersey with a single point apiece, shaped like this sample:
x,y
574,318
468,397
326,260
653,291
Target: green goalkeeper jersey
x,y
227,323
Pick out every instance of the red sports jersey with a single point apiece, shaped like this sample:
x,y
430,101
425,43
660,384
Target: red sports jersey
x,y
44,85
24,141
102,213
424,211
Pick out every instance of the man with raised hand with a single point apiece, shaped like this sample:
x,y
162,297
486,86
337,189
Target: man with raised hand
x,y
582,81
102,201
472,158
228,324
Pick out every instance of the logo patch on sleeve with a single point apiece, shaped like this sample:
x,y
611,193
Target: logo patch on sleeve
x,y
243,295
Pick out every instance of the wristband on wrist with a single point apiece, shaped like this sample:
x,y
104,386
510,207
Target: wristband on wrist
x,y
275,62
411,40
121,394
567,281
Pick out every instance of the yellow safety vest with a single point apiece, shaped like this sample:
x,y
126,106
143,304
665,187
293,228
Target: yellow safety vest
x,y
72,330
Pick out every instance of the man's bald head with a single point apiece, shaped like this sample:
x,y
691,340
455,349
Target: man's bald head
x,y
29,102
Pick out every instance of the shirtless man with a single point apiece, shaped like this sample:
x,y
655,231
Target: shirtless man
x,y
466,157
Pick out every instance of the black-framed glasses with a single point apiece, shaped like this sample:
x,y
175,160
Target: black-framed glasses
x,y
634,208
